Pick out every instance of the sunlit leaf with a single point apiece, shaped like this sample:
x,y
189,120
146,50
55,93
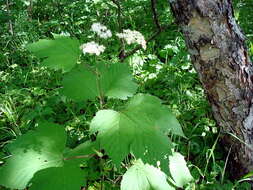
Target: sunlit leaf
x,y
137,129
86,83
80,84
117,81
179,170
144,177
65,178
32,152
41,155
59,53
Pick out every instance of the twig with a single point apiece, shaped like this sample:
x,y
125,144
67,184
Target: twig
x,y
120,28
30,9
10,22
152,37
155,15
119,10
139,46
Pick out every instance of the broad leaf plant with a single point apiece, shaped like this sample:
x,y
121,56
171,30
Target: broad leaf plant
x,y
139,130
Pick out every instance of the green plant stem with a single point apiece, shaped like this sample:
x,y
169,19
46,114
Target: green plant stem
x,y
101,96
211,153
79,157
226,162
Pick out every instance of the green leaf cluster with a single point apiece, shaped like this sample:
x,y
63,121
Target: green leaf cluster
x,y
61,53
41,155
86,83
139,130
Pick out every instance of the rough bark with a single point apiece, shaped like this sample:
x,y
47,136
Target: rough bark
x,y
219,55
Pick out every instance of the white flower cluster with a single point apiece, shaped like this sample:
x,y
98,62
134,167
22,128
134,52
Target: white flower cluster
x,y
101,30
92,48
133,36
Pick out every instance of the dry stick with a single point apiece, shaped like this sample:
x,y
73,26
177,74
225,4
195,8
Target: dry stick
x,y
159,30
10,22
155,16
120,29
30,10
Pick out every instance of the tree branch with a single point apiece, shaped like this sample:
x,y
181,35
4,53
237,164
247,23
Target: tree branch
x,y
9,13
30,9
139,46
120,27
155,15
152,37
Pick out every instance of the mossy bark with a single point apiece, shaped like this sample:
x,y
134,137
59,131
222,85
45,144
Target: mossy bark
x,y
219,55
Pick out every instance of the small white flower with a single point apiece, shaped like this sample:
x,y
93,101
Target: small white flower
x,y
105,35
214,130
152,76
92,48
133,36
101,30
207,128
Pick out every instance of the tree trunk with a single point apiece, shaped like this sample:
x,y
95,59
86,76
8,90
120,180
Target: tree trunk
x,y
219,55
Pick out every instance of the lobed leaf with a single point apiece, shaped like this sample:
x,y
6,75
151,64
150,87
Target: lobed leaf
x,y
60,53
80,84
65,178
179,170
137,129
40,156
83,84
144,177
117,81
32,152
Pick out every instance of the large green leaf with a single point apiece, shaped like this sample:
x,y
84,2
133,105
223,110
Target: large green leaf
x,y
70,176
85,151
179,170
86,83
42,154
144,177
60,53
155,111
64,178
32,152
117,81
80,84
137,129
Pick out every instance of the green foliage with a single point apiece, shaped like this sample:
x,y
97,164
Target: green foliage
x,y
66,177
117,81
84,83
60,53
179,170
32,152
41,156
80,84
144,177
136,129
141,127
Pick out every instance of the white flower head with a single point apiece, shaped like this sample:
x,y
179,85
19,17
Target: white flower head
x,y
101,30
133,36
92,48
